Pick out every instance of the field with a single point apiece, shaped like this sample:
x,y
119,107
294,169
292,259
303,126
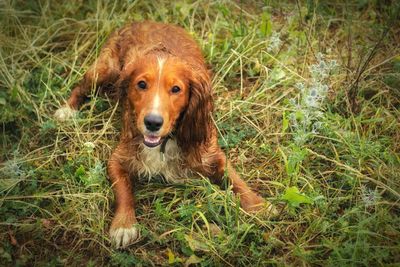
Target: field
x,y
307,103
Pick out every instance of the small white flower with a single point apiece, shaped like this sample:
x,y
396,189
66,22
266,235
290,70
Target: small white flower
x,y
89,146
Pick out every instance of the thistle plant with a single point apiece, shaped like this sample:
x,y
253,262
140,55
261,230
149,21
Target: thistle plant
x,y
306,116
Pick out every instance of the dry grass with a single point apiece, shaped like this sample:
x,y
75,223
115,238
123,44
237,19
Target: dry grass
x,y
329,161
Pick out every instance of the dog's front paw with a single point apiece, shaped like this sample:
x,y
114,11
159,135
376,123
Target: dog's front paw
x,y
123,237
253,203
65,113
124,229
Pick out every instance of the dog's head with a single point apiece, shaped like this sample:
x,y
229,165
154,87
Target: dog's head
x,y
168,96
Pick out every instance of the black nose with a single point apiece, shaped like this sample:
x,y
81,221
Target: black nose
x,y
153,122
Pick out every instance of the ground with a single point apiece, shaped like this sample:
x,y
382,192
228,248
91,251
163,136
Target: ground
x,y
307,100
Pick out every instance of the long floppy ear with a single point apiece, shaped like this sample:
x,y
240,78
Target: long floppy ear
x,y
195,125
122,87
122,84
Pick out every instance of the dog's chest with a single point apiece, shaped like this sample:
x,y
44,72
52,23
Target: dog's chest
x,y
169,164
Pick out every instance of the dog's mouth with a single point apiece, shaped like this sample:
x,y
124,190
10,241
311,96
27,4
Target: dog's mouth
x,y
152,141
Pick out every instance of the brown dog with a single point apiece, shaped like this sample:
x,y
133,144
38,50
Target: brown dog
x,y
165,90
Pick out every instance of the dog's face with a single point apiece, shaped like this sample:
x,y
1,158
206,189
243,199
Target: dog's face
x,y
158,92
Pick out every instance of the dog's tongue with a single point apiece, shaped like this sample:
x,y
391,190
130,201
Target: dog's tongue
x,y
152,141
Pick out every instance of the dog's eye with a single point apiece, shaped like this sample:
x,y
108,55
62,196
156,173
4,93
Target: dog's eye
x,y
175,89
142,85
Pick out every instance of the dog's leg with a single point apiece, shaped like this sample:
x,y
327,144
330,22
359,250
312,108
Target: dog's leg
x,y
249,200
123,231
105,70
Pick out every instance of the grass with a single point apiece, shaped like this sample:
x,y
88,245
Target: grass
x,y
322,143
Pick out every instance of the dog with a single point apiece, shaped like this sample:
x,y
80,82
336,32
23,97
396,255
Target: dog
x,y
160,77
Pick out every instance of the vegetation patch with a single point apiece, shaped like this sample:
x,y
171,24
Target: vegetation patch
x,y
307,99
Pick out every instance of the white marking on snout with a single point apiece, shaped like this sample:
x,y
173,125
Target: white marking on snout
x,y
156,103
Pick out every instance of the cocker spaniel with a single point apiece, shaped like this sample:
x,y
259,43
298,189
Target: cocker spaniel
x,y
159,75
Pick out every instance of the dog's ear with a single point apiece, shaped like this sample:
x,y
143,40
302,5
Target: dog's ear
x,y
195,125
122,84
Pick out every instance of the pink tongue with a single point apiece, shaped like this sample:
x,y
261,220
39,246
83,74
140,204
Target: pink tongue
x,y
152,139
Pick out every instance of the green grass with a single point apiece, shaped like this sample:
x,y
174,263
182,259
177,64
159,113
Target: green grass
x,y
331,168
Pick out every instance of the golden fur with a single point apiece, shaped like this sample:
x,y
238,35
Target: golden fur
x,y
145,62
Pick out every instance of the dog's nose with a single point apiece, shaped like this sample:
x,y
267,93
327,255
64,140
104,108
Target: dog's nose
x,y
153,122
